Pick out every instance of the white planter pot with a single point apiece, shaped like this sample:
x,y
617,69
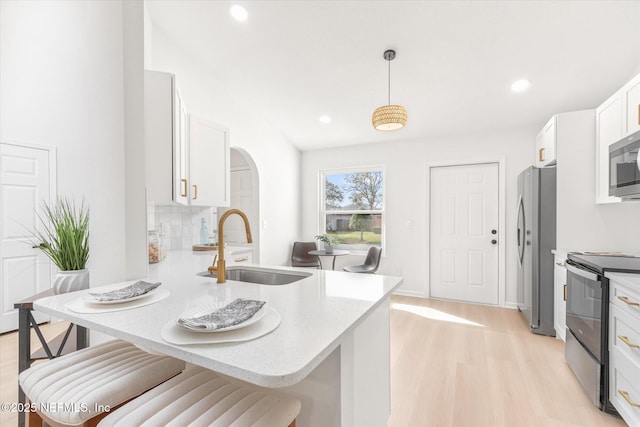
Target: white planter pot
x,y
71,281
328,248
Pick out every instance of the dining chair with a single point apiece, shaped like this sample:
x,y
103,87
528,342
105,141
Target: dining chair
x,y
371,262
80,388
300,255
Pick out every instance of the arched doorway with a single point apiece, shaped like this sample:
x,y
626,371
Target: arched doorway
x,y
245,195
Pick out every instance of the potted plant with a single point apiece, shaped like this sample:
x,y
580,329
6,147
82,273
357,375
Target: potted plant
x,y
64,239
328,241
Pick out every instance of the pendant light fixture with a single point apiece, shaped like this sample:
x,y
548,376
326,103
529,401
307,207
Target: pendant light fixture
x,y
389,117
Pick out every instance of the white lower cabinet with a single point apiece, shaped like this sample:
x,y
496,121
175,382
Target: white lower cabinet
x,y
560,295
624,350
245,257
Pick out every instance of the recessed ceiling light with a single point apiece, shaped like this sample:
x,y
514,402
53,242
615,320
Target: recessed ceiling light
x,y
239,13
324,119
520,85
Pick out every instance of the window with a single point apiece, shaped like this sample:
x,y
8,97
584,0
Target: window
x,y
352,207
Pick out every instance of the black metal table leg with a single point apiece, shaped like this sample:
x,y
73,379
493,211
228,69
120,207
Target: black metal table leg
x,y
82,337
24,354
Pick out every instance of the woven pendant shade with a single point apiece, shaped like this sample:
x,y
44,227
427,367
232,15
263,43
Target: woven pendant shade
x,y
389,117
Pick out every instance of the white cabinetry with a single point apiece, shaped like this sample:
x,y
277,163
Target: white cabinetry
x,y
631,105
560,295
616,118
241,256
546,144
162,135
187,158
209,163
624,346
608,131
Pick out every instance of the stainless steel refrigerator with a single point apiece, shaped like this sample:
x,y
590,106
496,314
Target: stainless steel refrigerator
x,y
536,234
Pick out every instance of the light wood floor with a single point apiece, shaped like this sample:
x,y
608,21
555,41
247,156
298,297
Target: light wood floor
x,y
488,370
452,364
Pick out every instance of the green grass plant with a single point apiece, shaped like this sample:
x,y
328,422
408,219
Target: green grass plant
x,y
64,237
353,237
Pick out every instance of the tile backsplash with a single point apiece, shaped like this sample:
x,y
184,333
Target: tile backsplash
x,y
179,226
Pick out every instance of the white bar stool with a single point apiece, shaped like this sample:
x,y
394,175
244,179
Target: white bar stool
x,y
81,387
200,397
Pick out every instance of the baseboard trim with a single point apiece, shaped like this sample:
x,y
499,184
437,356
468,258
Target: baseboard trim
x,y
405,293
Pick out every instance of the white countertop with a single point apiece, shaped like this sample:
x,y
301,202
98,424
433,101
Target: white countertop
x,y
631,280
316,312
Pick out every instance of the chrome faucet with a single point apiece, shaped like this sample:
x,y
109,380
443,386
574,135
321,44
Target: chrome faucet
x,y
220,268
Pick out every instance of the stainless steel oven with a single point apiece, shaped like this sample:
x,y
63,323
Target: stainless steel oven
x,y
586,348
624,169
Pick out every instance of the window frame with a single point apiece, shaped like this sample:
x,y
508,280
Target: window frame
x,y
322,211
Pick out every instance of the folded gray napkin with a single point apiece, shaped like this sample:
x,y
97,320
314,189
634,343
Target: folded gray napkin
x,y
139,288
234,313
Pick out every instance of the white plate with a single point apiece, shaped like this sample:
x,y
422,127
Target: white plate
x,y
91,300
208,308
174,334
79,306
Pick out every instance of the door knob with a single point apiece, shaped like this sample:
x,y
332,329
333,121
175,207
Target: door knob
x,y
494,231
528,242
494,241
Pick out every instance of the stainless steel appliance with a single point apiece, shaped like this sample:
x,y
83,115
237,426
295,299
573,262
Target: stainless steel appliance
x,y
624,169
586,348
536,234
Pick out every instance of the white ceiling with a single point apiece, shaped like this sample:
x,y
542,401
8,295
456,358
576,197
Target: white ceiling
x,y
293,61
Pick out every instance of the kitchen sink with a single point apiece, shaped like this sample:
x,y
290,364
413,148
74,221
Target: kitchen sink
x,y
261,276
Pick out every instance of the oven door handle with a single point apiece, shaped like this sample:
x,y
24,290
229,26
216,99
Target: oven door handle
x,y
582,273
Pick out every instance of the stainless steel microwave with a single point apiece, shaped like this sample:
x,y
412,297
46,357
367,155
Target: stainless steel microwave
x,y
624,167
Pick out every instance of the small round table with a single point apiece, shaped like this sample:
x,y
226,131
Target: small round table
x,y
334,254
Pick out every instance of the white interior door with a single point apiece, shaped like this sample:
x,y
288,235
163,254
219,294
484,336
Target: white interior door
x,y
241,198
464,218
25,182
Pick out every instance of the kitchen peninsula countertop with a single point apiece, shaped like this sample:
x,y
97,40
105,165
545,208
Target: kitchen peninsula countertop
x,y
317,313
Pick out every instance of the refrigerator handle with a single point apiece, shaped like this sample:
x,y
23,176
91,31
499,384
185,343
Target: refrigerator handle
x,y
520,237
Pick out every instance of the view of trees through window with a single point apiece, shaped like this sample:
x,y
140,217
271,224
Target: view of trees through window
x,y
353,208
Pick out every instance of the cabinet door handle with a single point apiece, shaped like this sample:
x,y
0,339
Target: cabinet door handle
x,y
625,394
627,342
195,192
564,294
242,260
560,264
541,154
183,193
628,302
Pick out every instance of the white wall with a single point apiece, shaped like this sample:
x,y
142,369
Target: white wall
x,y
278,161
405,185
62,85
582,224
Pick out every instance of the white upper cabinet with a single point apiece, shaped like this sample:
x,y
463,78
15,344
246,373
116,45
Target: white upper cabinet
x,y
209,163
546,145
159,135
616,118
187,158
608,131
180,151
631,102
